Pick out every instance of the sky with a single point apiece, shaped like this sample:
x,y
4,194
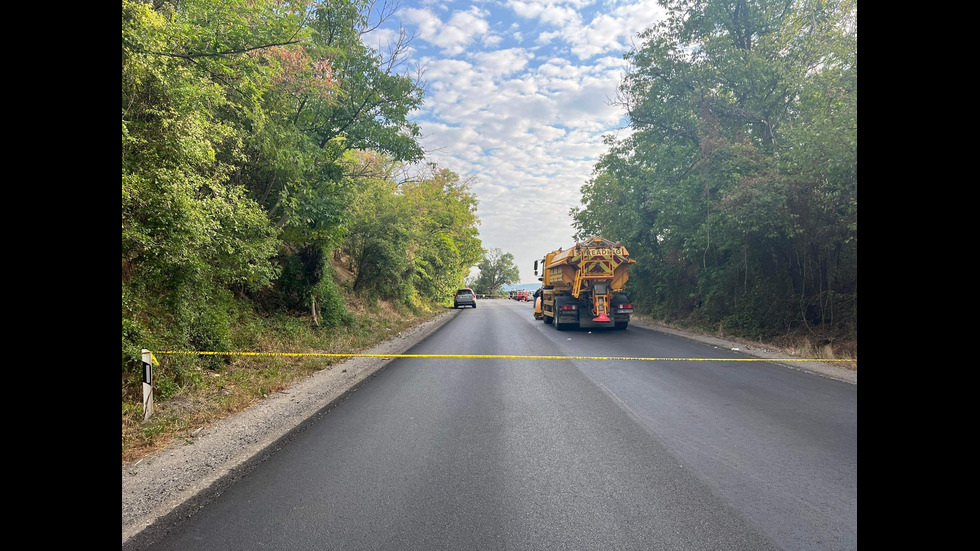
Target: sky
x,y
518,97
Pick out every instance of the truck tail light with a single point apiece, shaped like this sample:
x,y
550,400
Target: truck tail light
x,y
625,308
569,306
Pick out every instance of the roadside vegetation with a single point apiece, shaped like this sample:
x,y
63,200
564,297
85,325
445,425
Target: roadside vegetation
x,y
736,189
192,391
274,198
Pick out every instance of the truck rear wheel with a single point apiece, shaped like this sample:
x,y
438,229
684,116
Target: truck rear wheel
x,y
622,324
559,302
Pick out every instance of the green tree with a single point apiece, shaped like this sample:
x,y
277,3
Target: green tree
x,y
239,120
190,235
736,192
412,239
446,225
380,235
496,270
331,96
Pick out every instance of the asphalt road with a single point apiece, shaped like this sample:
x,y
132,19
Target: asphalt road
x,y
555,454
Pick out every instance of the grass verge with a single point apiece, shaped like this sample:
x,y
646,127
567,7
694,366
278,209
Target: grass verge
x,y
800,344
191,392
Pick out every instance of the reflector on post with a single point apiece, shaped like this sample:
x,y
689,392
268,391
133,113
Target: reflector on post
x,y
147,358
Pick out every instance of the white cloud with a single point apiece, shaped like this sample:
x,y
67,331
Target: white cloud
x,y
502,62
606,32
452,36
492,40
553,13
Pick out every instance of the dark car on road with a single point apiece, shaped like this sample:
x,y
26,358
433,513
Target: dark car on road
x,y
464,297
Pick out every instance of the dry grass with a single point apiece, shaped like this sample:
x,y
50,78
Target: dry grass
x,y
804,347
796,345
192,392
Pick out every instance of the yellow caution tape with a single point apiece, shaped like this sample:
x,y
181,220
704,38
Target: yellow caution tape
x,y
496,356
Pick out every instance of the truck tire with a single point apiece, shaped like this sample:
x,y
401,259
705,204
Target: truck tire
x,y
622,325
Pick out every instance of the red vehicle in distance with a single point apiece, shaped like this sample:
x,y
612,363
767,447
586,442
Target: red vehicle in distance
x,y
522,295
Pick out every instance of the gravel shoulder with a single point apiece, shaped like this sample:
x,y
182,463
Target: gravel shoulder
x,y
824,369
161,484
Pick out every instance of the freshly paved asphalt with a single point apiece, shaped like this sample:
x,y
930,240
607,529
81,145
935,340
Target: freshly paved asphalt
x,y
555,454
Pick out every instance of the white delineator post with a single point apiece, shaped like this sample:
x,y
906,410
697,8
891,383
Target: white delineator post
x,y
147,384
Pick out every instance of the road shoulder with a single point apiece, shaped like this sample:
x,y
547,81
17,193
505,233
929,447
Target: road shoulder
x,y
157,485
823,369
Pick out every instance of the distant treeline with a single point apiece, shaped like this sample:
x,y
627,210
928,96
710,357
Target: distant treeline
x,y
736,189
263,145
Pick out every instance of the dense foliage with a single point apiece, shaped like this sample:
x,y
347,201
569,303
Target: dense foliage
x,y
413,240
260,145
736,191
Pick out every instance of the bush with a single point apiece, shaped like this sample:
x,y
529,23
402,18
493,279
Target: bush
x,y
331,305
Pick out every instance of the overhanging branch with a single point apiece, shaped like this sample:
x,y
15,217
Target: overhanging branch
x,y
227,52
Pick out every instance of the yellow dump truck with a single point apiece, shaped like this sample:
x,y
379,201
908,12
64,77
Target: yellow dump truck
x,y
584,286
